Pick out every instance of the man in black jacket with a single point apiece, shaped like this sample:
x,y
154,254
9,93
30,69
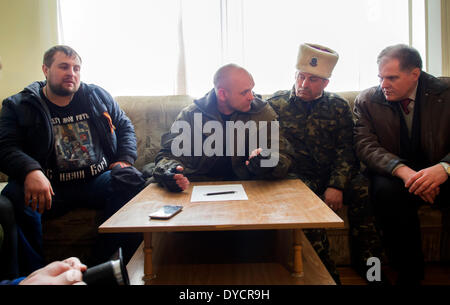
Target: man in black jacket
x,y
61,143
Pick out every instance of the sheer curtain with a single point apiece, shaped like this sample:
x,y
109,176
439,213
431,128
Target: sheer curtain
x,y
128,47
164,47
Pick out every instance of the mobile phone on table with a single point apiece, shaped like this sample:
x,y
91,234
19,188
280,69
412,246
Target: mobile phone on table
x,y
166,212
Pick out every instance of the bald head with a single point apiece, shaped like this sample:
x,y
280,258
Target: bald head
x,y
233,86
226,75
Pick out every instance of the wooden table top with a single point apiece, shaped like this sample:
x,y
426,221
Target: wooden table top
x,y
274,204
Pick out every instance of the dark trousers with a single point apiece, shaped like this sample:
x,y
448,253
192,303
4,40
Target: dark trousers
x,y
8,247
96,193
396,214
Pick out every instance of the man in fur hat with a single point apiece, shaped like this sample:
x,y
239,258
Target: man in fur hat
x,y
319,125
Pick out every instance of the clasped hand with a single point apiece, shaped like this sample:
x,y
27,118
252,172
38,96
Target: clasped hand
x,y
424,183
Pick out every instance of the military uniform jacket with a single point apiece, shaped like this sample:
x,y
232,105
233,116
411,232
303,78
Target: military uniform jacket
x,y
320,133
199,166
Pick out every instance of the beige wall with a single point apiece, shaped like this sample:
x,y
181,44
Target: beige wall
x,y
27,29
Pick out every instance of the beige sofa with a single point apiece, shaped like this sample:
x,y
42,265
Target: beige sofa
x,y
73,233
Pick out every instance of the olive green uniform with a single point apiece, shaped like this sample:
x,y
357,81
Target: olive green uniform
x,y
321,135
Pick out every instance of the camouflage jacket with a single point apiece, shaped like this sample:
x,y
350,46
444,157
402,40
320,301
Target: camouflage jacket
x,y
199,166
320,133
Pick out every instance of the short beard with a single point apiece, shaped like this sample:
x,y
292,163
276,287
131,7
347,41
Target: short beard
x,y
58,90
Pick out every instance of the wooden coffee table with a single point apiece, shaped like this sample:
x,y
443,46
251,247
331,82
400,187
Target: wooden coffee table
x,y
276,204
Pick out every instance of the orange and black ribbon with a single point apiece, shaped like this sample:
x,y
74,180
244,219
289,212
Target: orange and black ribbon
x,y
108,117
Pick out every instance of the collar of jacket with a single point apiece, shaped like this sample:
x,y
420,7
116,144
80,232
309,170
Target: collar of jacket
x,y
34,97
428,85
293,98
34,88
208,105
431,85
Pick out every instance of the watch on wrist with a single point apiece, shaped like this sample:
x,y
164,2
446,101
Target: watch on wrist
x,y
446,167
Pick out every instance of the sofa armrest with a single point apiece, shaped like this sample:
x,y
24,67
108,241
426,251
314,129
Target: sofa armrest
x,y
3,177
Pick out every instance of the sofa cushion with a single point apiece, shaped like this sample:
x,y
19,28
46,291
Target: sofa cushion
x,y
350,96
151,116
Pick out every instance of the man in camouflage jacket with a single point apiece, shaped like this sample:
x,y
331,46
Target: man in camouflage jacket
x,y
319,126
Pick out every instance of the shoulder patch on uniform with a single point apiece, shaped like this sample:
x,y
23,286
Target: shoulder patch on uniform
x,y
338,97
278,94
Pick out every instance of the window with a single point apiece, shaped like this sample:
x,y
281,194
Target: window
x,y
164,47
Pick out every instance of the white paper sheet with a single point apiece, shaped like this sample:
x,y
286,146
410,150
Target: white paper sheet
x,y
199,193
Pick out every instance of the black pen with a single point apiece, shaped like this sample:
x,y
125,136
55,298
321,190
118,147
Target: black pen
x,y
220,193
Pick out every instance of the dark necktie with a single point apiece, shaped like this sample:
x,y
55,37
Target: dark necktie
x,y
405,104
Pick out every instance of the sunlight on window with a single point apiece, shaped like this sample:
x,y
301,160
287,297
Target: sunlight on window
x,y
133,47
356,29
201,31
128,47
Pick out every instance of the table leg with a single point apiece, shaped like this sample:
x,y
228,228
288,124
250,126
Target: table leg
x,y
148,264
298,261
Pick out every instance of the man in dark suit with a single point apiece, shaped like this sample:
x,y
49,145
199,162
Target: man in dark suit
x,y
402,135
